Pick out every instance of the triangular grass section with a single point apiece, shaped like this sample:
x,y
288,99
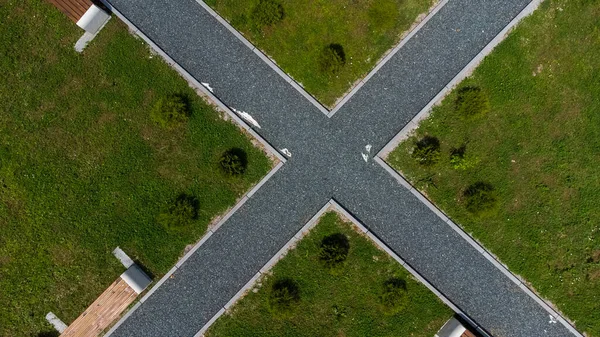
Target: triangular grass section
x,y
362,31
343,303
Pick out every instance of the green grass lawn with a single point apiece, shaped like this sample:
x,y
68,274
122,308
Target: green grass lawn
x,y
344,303
365,29
539,147
83,169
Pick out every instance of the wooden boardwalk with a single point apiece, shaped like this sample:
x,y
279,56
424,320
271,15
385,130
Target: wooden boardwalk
x,y
103,311
74,9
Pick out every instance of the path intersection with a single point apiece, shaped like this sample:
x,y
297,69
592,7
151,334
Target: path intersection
x,y
331,158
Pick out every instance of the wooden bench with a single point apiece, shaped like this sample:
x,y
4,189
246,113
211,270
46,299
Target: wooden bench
x,y
88,15
73,9
103,311
109,305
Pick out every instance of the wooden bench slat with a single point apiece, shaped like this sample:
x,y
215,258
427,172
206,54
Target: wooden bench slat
x,y
103,311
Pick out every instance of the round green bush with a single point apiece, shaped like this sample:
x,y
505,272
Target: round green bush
x,y
285,293
394,296
427,151
266,13
334,250
480,198
170,111
180,213
332,59
472,102
233,161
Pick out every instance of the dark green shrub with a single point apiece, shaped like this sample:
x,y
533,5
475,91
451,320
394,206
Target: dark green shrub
x,y
472,102
233,161
334,250
171,111
266,13
480,199
332,59
394,296
285,293
427,151
180,213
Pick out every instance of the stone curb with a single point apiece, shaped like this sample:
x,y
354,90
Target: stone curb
x,y
194,83
387,57
412,271
331,205
464,73
271,63
266,268
424,113
479,247
204,238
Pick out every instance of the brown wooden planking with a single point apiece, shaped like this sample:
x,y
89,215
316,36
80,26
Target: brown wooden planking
x,y
105,309
468,334
74,9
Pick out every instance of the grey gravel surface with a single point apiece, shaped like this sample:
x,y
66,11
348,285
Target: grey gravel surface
x,y
326,162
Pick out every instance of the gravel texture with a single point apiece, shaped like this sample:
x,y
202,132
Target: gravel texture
x,y
327,163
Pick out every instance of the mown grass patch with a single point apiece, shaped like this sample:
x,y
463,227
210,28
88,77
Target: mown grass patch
x,y
299,35
369,295
537,147
84,168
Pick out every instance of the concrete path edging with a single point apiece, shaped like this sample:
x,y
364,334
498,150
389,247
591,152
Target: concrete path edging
x,y
296,85
553,313
205,237
195,84
463,74
270,62
332,205
266,268
423,114
387,57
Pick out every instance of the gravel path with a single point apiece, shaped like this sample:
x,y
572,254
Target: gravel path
x,y
327,161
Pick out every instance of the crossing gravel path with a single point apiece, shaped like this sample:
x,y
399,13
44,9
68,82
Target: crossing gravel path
x,y
327,162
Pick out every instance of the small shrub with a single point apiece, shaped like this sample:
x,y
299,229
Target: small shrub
x,y
180,213
480,198
461,160
394,296
332,59
266,13
285,293
170,111
427,151
339,312
334,250
234,161
472,102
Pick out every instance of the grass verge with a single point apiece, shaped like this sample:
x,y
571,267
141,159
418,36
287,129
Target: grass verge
x,y
84,169
345,302
309,32
537,147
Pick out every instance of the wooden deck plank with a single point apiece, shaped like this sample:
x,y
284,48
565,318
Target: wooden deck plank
x,y
103,311
73,9
468,334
